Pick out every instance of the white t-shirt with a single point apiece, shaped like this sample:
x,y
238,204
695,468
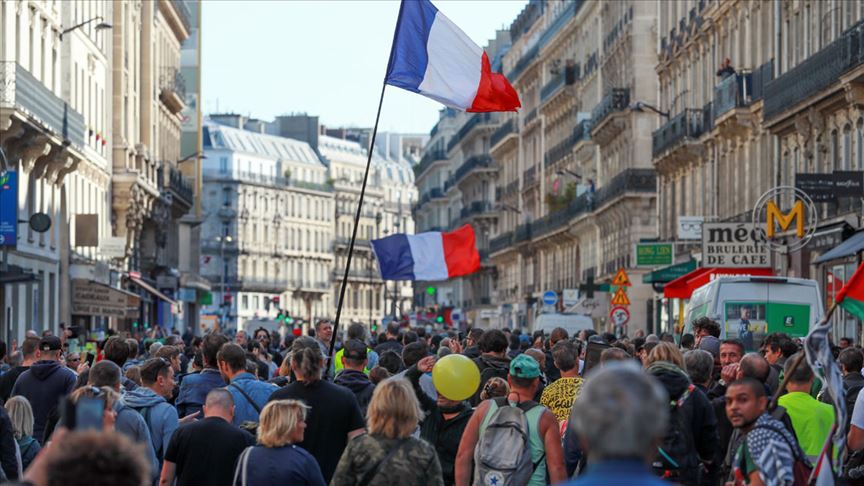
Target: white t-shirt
x,y
858,412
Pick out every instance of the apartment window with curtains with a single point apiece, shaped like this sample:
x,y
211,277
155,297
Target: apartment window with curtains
x,y
860,144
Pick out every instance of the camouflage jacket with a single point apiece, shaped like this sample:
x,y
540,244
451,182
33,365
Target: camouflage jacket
x,y
414,464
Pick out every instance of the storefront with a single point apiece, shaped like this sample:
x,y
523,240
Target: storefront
x,y
157,309
835,267
93,302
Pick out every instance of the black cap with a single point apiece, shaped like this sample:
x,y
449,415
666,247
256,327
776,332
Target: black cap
x,y
50,343
355,349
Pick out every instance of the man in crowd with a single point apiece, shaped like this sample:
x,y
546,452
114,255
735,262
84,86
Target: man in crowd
x,y
172,355
357,331
90,458
544,438
128,422
705,326
73,360
412,354
30,353
206,451
851,360
551,371
249,394
621,445
493,360
811,419
45,383
559,396
472,343
324,335
150,400
240,338
391,341
195,387
731,352
352,377
699,365
132,351
845,342
766,451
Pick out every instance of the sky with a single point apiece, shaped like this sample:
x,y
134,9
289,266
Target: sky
x,y
326,58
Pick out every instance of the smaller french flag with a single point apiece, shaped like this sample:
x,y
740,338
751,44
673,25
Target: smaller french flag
x,y
428,256
433,57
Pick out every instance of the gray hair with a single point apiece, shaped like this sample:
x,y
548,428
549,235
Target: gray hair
x,y
620,412
699,365
652,338
219,398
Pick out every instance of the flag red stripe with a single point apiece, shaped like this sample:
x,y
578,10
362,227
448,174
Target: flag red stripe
x,y
494,93
460,251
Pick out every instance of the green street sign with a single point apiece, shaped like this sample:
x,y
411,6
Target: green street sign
x,y
655,254
670,273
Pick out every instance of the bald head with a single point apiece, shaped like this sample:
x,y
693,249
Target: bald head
x,y
753,365
219,403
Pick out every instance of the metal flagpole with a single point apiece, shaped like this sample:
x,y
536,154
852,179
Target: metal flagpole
x,y
354,234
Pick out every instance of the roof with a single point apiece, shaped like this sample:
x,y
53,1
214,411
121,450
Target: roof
x,y
397,171
272,146
341,150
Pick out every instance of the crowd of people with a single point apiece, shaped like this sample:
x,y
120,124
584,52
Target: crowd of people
x,y
261,409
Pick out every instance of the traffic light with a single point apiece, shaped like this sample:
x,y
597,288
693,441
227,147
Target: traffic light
x,y
275,300
439,319
431,290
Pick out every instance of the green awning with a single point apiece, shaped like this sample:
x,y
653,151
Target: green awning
x,y
670,273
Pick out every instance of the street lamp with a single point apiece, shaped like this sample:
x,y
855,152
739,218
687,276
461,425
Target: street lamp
x,y
641,106
99,26
196,155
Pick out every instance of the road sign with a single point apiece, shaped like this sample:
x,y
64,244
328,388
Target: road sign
x,y
619,315
620,298
550,297
570,297
621,278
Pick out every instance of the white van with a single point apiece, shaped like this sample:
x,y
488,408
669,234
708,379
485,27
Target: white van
x,y
748,308
573,323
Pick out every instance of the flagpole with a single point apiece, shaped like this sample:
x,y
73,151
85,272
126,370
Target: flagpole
x,y
354,234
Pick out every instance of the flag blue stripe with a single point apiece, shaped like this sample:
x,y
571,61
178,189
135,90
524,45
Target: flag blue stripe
x,y
408,56
394,257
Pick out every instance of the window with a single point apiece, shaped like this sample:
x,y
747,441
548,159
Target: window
x,y
226,196
245,302
255,302
847,148
223,165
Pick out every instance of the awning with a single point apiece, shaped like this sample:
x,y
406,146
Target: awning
x,y
683,287
670,273
91,298
848,248
149,288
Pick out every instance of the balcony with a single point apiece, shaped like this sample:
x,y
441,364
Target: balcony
x,y
509,190
501,242
529,177
474,163
181,187
478,208
682,131
815,74
581,132
503,132
476,120
556,25
369,273
261,284
279,181
604,117
522,233
526,60
530,117
172,89
561,218
628,180
428,159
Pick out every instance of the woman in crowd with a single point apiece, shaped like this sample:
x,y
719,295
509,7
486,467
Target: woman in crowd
x,y
388,454
277,459
21,415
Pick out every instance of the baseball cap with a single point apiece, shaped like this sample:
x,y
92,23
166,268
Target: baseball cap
x,y
355,349
50,343
524,366
710,344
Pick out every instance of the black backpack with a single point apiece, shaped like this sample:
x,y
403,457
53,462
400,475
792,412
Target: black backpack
x,y
487,373
676,459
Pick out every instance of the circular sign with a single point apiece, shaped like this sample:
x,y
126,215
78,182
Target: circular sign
x,y
783,208
619,315
40,222
550,297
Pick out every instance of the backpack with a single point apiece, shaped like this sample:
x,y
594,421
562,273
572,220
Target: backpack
x,y
145,412
676,459
503,453
489,372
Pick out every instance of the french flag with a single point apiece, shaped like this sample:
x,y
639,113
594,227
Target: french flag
x,y
427,256
433,57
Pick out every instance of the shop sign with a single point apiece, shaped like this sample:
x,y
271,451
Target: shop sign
x,y
9,209
654,254
733,245
820,187
95,299
849,183
690,227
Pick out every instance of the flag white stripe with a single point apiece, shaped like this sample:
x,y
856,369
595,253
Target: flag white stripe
x,y
427,250
453,69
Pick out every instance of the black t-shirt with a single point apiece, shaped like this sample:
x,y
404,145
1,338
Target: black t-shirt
x,y
206,451
334,412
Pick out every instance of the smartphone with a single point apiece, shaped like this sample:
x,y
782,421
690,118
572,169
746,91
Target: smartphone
x,y
90,357
87,414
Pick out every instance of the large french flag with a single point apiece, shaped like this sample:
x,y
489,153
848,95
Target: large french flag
x,y
427,256
433,57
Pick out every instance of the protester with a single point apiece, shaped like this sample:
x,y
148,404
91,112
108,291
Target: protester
x,y
150,400
392,362
378,374
324,335
495,387
560,395
472,343
351,376
620,445
391,340
811,419
250,395
691,436
493,360
557,335
206,451
334,415
614,354
195,387
705,326
21,417
699,365
9,465
45,383
731,352
277,459
767,453
132,376
30,352
851,360
241,339
845,342
357,331
388,454
544,440
129,422
89,458
688,342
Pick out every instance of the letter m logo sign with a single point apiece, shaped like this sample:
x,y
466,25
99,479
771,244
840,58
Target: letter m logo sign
x,y
778,218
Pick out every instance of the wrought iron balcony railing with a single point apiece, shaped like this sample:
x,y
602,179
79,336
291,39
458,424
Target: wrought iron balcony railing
x,y
685,125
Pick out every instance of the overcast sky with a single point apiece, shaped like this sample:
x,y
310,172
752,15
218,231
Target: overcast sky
x,y
325,58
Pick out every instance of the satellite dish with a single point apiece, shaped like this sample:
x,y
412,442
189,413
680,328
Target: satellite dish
x,y
40,222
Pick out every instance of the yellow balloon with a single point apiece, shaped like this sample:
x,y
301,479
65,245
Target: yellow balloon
x,y
456,377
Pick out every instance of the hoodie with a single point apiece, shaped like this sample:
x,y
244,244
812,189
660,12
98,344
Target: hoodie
x,y
43,385
359,384
131,424
160,416
697,414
